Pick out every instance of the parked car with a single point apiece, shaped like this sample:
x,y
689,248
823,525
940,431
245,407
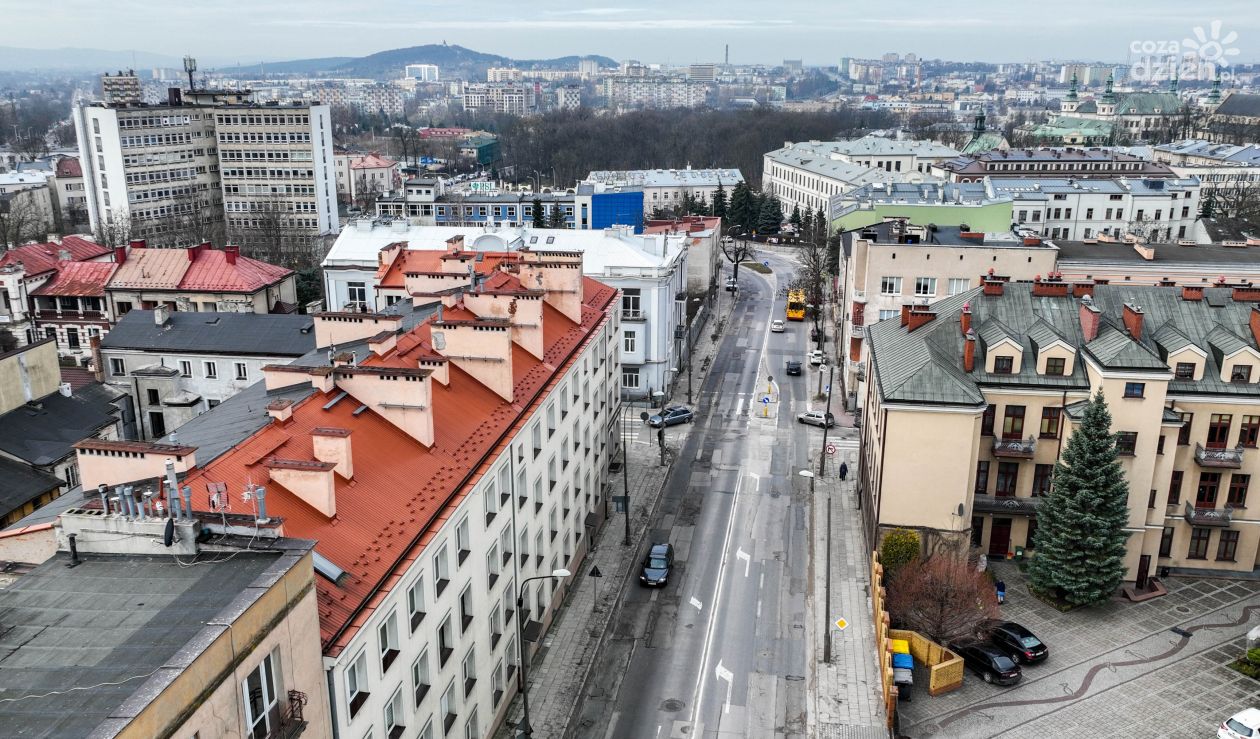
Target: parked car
x,y
1021,644
816,357
657,565
990,663
777,326
671,416
731,284
817,418
1242,725
793,367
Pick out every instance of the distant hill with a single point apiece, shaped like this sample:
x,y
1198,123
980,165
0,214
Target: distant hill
x,y
453,61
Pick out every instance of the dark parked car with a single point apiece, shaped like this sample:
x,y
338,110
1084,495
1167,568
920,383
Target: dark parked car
x,y
671,416
1021,644
990,663
793,367
657,565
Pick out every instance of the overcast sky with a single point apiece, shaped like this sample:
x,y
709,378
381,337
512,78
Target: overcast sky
x,y
667,31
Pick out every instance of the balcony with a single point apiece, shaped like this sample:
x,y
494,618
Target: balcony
x,y
1219,517
1218,458
292,723
1004,504
1014,448
633,314
71,315
857,331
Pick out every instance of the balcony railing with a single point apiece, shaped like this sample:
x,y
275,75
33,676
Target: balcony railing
x,y
632,314
292,723
72,315
1224,457
1208,516
1001,504
1018,448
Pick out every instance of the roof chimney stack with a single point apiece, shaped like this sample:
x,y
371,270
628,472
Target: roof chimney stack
x,y
333,445
231,251
964,320
1090,317
161,315
969,351
1133,320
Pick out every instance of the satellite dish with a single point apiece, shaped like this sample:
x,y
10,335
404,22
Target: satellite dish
x,y
168,536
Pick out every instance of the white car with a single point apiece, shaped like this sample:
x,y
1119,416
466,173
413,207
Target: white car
x,y
1242,725
817,357
777,326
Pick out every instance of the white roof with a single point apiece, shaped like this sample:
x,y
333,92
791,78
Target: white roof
x,y
607,252
23,178
668,177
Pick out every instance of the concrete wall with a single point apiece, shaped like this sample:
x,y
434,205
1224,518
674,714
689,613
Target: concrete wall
x,y
27,374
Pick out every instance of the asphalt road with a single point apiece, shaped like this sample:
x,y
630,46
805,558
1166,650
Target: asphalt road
x,y
722,649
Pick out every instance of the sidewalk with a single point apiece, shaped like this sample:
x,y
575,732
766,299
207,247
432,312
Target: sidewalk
x,y
559,671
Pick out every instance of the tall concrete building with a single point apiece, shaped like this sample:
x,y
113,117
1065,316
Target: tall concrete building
x,y
169,173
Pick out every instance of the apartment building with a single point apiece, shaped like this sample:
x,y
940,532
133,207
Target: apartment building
x,y
666,188
71,200
27,268
434,482
808,174
654,92
1059,162
206,164
427,201
422,72
1227,172
970,400
500,97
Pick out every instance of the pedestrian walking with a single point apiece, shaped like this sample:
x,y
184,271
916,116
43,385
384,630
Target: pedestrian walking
x,y
1001,592
844,471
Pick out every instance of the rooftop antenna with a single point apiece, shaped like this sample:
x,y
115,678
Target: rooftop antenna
x,y
190,66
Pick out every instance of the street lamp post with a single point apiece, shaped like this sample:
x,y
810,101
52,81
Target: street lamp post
x,y
523,728
831,381
660,432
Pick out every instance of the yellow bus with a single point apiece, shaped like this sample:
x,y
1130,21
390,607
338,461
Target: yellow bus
x,y
796,305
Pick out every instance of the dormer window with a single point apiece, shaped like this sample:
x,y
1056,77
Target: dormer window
x,y
1184,370
1003,365
1055,365
1240,373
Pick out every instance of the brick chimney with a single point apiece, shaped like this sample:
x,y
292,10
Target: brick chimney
x,y
120,254
920,315
333,445
964,320
1246,294
905,314
994,288
1255,324
1090,318
969,351
1133,321
402,396
1050,288
231,251
1081,289
137,243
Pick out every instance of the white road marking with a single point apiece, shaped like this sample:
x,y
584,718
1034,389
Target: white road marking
x,y
761,581
741,554
739,407
717,598
699,606
759,609
724,674
658,730
612,725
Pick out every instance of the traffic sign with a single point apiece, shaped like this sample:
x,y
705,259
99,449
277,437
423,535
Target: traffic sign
x,y
595,572
842,624
765,263
831,449
765,399
827,389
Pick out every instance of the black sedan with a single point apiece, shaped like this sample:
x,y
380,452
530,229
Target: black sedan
x,y
1022,645
990,663
793,367
671,416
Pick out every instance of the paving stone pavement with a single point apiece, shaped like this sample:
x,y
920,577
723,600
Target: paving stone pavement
x,y
559,671
1143,680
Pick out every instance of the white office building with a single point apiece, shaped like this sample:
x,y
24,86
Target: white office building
x,y
665,188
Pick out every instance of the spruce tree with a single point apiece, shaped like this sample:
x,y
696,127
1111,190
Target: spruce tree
x,y
719,201
741,208
770,218
1080,539
540,218
806,229
557,217
795,218
820,226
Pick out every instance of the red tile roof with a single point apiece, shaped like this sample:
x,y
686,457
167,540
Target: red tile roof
x,y
69,167
78,279
402,491
40,258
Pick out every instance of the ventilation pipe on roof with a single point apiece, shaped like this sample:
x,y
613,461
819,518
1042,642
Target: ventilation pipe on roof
x,y
187,495
260,497
172,489
102,491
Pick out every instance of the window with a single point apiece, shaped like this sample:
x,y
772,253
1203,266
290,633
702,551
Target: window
x,y
447,708
1013,422
1240,373
356,293
470,671
1003,365
465,608
1237,495
387,635
1055,366
1134,389
446,641
241,374
212,370
1174,487
356,683
496,623
884,315
1007,479
1183,434
959,285
185,368
630,305
1042,476
630,378
393,714
490,500
415,603
1249,431
441,570
1227,547
1199,543
982,477
1166,542
536,437
1218,430
1159,447
262,699
629,342
471,729
1185,370
986,421
497,683
1126,443
890,286
463,541
925,287
420,680
492,565
117,367
72,338
1209,485
1050,417
152,396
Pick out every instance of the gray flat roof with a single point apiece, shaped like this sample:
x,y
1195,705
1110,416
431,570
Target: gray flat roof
x,y
1171,254
248,334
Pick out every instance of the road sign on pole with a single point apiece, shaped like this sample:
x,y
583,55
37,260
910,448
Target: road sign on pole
x,y
842,624
831,450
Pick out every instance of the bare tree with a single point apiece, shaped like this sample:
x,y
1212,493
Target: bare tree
x,y
271,232
736,251
32,146
21,218
112,232
944,598
366,191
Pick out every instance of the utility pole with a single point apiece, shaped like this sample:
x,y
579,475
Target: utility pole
x,y
660,438
822,458
625,476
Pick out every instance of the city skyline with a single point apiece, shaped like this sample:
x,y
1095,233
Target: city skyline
x,y
650,31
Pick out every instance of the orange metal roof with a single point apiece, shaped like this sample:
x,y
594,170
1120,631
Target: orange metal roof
x,y
402,491
40,258
75,279
211,272
151,269
393,277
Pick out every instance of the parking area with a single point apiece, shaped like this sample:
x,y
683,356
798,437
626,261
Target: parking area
x,y
1114,670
